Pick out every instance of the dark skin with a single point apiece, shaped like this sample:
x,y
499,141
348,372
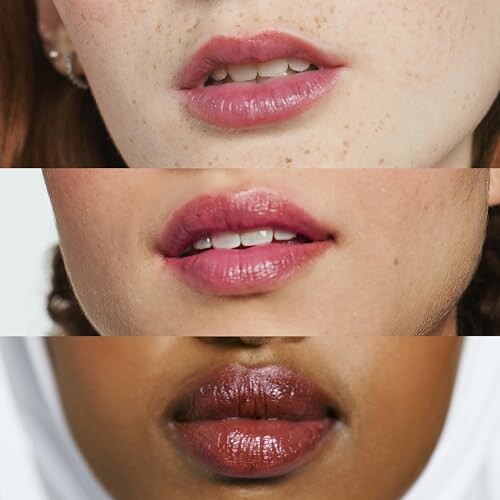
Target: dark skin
x,y
393,392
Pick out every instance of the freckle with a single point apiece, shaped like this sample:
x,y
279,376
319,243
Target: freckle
x,y
346,126
396,261
381,161
346,144
134,101
288,160
186,147
158,27
307,151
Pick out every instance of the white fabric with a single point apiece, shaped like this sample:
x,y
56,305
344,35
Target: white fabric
x,y
64,472
464,466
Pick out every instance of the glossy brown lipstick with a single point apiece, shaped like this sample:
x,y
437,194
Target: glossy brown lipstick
x,y
252,423
288,239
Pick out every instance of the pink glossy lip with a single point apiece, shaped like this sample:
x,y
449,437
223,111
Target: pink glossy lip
x,y
252,423
243,105
248,270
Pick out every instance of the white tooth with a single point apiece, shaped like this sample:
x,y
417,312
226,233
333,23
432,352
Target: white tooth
x,y
219,74
280,235
226,240
299,64
243,72
277,67
254,238
203,244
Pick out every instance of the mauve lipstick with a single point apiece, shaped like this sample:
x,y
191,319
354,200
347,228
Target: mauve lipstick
x,y
245,104
241,271
252,423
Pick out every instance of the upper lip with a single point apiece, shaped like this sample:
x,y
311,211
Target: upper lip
x,y
237,212
267,392
250,49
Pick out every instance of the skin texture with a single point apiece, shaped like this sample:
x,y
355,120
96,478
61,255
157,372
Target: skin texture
x,y
394,393
408,242
421,75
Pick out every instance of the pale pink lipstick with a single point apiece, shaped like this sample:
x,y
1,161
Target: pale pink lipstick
x,y
252,423
241,243
233,104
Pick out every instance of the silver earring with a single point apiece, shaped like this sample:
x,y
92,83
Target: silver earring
x,y
74,79
53,55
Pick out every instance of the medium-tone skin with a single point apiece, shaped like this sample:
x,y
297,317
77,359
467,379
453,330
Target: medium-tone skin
x,y
408,244
421,76
394,393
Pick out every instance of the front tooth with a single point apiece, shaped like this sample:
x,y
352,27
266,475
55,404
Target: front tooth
x,y
226,240
277,67
259,237
243,72
203,244
219,74
280,235
298,64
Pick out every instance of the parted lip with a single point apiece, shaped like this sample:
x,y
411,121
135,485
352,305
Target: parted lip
x,y
237,212
252,422
257,48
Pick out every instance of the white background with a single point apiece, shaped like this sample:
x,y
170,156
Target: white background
x,y
27,235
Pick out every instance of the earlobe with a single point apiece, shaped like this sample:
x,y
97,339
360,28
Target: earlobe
x,y
57,42
494,197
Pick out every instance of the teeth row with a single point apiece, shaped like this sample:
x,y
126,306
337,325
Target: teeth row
x,y
269,69
246,239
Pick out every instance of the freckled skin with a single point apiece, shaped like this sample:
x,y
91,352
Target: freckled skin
x,y
431,221
421,77
393,393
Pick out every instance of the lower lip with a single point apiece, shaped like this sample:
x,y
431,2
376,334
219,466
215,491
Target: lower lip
x,y
248,271
252,449
244,105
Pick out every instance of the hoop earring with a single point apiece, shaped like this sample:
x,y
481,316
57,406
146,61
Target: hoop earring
x,y
74,79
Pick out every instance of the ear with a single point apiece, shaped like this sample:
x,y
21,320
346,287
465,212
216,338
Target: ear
x,y
494,187
54,36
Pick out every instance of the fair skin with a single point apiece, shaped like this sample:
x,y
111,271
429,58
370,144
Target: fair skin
x,y
419,78
407,244
393,395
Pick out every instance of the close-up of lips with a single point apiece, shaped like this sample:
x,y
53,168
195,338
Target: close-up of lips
x,y
253,423
167,84
229,232
244,243
323,252
233,418
246,82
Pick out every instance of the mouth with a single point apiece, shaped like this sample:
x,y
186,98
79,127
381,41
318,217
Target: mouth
x,y
252,423
249,242
258,80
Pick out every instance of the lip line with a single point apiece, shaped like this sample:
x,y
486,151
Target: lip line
x,y
208,57
232,217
